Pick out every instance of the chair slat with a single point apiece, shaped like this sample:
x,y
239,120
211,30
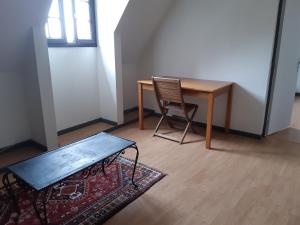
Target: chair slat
x,y
169,94
168,89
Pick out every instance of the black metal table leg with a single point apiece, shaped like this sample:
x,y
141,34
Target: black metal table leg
x,y
109,162
11,194
115,157
42,215
135,163
103,167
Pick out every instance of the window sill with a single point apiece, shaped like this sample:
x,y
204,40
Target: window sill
x,y
63,45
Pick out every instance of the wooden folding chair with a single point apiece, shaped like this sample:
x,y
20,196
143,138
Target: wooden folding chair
x,y
169,96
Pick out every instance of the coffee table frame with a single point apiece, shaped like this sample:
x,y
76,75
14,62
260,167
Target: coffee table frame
x,y
88,171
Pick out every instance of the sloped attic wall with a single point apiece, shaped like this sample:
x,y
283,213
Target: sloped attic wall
x,y
16,20
19,49
108,18
138,24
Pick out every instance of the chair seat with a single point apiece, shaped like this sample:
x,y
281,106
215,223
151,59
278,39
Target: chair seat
x,y
177,106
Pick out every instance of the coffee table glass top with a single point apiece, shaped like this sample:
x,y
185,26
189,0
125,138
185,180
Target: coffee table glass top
x,y
49,168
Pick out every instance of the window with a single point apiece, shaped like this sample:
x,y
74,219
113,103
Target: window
x,y
71,23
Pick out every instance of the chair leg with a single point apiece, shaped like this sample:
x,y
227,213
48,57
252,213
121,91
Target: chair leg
x,y
185,131
158,125
189,124
193,114
191,119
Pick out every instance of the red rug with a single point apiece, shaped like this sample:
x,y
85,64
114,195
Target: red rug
x,y
79,201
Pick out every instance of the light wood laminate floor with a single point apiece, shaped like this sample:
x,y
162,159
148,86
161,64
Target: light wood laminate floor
x,y
242,181
82,133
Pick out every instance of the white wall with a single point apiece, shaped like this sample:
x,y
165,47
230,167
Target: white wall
x,y
17,61
85,81
138,24
39,97
130,78
45,86
286,74
16,20
110,82
298,80
75,85
119,76
230,40
33,96
14,127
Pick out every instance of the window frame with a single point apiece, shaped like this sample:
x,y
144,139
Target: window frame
x,y
62,42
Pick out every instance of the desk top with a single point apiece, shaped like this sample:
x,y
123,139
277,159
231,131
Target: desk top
x,y
198,84
51,167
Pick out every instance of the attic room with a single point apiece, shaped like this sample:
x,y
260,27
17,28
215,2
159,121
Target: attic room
x,y
149,112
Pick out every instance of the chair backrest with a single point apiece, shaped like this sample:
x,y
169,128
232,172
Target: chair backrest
x,y
167,90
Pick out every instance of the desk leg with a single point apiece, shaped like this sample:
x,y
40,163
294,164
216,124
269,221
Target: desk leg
x,y
228,109
210,110
141,106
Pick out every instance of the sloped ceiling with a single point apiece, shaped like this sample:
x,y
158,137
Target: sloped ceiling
x,y
138,24
16,19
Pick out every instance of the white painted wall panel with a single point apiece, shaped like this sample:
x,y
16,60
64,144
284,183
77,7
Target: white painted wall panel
x,y
45,87
108,67
75,85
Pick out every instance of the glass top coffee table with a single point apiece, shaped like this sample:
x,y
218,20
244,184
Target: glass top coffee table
x,y
43,171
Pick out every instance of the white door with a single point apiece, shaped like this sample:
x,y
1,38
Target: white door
x,y
285,79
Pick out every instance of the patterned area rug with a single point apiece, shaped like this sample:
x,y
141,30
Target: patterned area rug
x,y
78,201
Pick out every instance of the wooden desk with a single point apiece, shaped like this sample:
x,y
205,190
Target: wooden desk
x,y
206,89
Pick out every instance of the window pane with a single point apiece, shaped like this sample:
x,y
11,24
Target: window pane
x,y
82,9
69,20
84,30
54,28
54,9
